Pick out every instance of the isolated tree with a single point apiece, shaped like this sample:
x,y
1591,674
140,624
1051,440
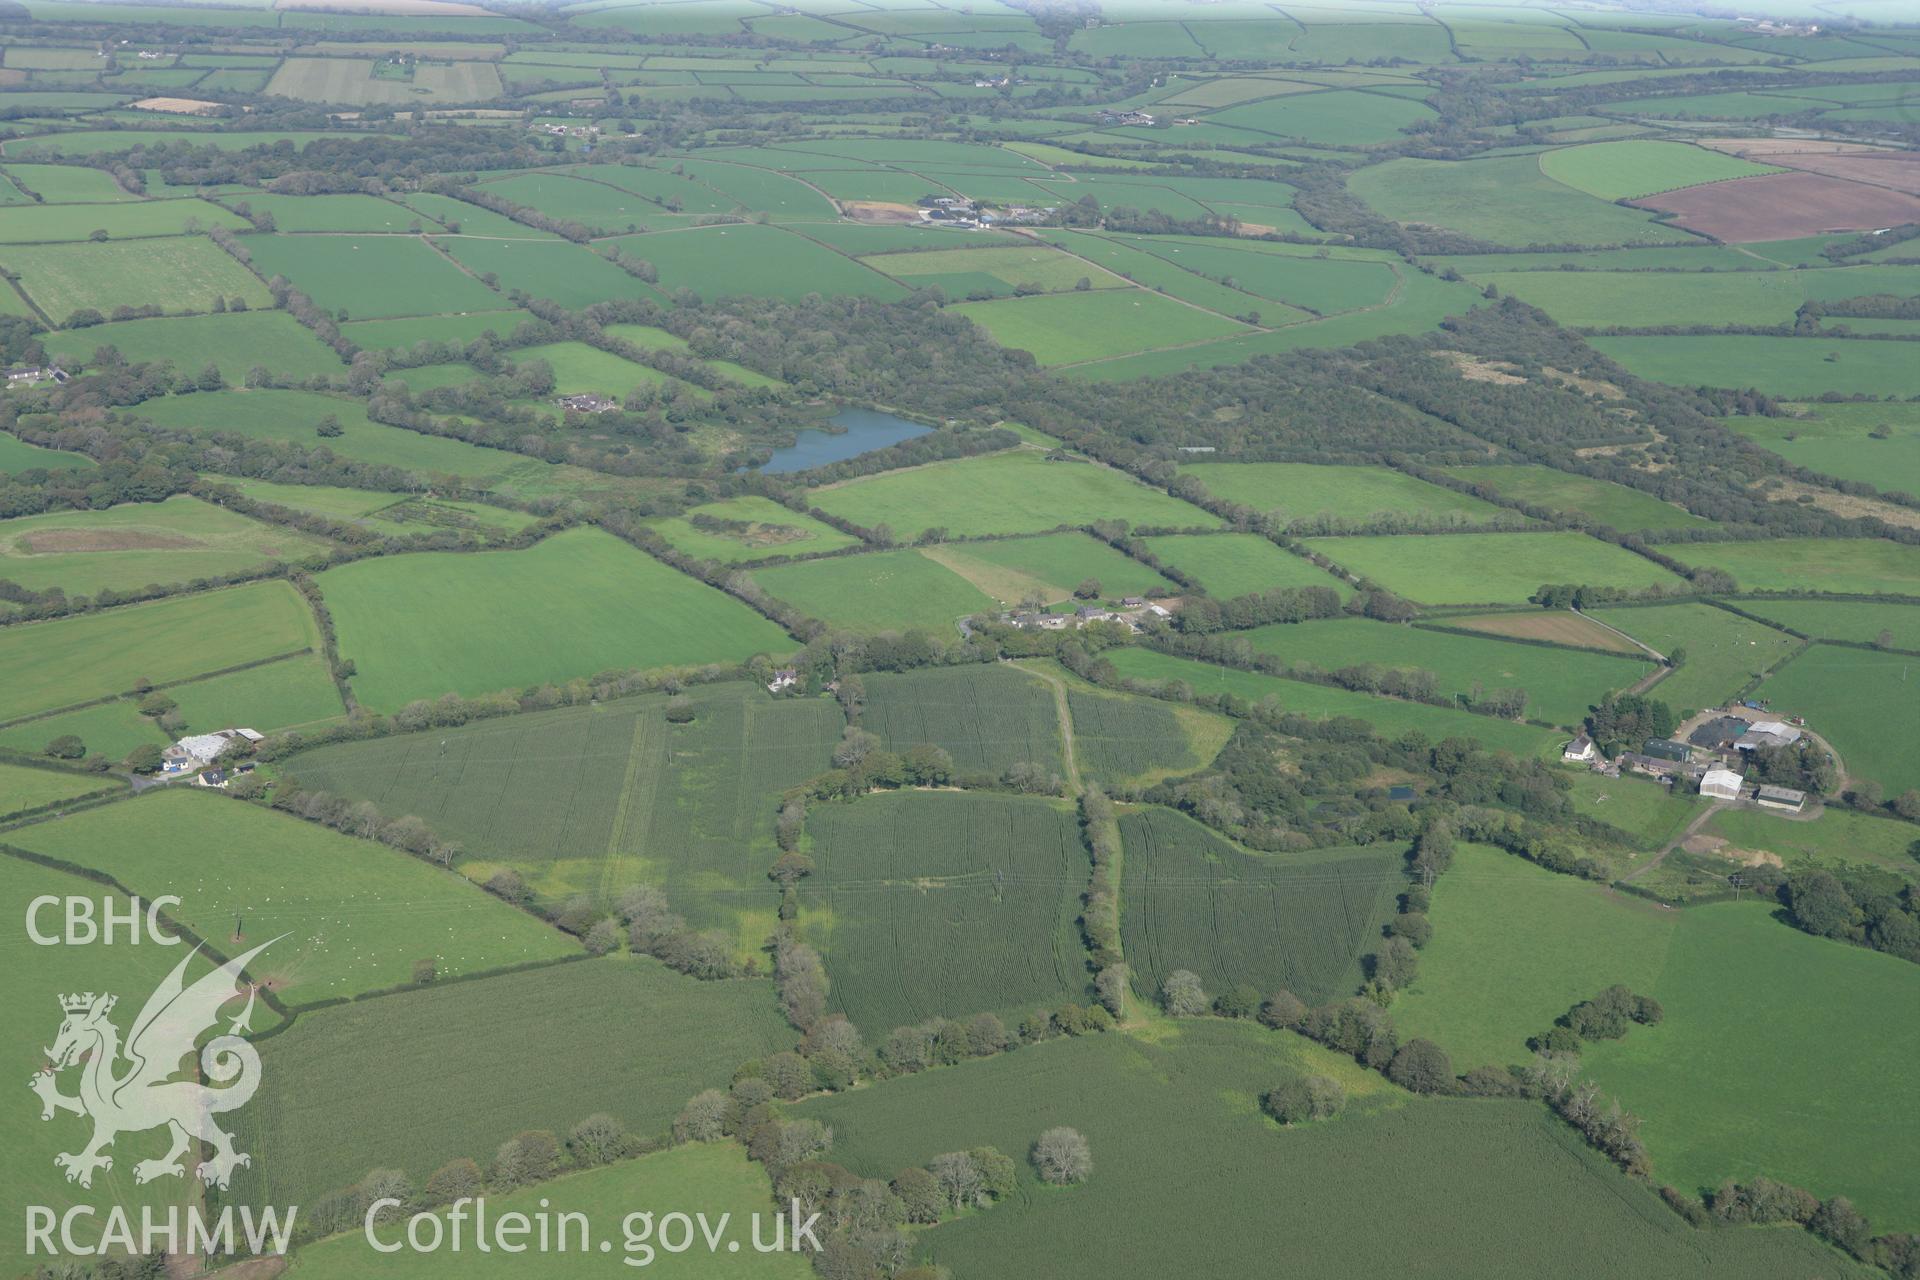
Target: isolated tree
x,y
66,747
1182,995
1061,1156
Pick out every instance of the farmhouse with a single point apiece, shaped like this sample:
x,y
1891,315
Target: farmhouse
x,y
1581,748
32,375
1783,798
198,750
784,678
1721,784
587,404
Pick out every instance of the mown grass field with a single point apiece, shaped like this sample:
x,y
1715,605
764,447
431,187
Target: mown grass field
x,y
592,799
1859,620
1390,717
1237,564
371,277
876,591
16,455
773,531
358,913
1600,501
1645,808
1837,838
986,717
621,1035
1560,626
1193,900
926,903
1292,491
1794,368
183,273
715,1179
1532,208
1560,684
1863,566
24,788
1173,1123
1489,568
1628,170
132,545
1724,650
1854,699
37,977
293,693
232,342
292,416
1014,492
1071,327
1754,1008
575,604
1552,940
111,729
1051,566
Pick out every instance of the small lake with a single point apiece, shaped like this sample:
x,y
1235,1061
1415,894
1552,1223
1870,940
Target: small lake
x,y
864,432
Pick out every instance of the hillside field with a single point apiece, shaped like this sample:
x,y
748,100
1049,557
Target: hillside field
x,y
1724,650
1489,568
1846,695
127,547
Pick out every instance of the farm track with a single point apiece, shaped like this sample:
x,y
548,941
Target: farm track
x,y
1059,687
646,760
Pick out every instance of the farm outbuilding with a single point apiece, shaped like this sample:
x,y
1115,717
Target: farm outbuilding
x,y
1721,784
1783,798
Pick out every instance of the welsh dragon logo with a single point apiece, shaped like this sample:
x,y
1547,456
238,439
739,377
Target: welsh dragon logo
x,y
130,1087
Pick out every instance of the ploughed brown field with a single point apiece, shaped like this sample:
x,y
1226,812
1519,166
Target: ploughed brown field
x,y
1783,206
1875,166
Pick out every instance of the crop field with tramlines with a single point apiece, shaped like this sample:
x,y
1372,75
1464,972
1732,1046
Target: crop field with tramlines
x,y
986,718
1193,901
931,903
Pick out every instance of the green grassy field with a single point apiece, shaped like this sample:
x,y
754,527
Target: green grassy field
x,y
1754,1008
1390,717
16,455
648,337
986,717
758,260
715,1179
1050,566
37,978
1552,941
1724,650
1186,1168
1837,838
1236,564
1642,299
772,531
1836,440
404,331
291,416
1489,568
280,695
233,342
1137,741
878,591
127,547
1859,620
336,213
1794,368
1298,491
961,272
1645,808
1600,501
592,799
569,274
1193,900
1532,208
1561,684
111,729
1320,286
1015,492
1342,117
1071,327
245,874
1851,698
582,199
125,220
578,367
575,604
926,903
1629,170
1861,566
69,183
656,1039
390,513
26,788
371,277
183,273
